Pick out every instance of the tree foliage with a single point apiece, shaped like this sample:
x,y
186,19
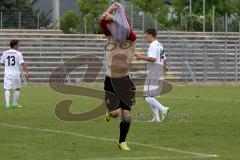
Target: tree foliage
x,y
70,22
177,16
90,11
181,13
157,8
16,5
222,7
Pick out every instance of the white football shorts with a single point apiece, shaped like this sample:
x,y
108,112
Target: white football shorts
x,y
10,83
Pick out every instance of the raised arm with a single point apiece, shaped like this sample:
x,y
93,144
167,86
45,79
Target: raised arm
x,y
106,18
107,15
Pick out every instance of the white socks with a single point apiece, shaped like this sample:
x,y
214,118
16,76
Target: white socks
x,y
15,97
155,112
155,106
7,97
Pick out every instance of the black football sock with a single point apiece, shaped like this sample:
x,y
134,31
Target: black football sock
x,y
124,128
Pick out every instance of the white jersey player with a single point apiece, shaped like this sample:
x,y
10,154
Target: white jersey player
x,y
156,67
12,60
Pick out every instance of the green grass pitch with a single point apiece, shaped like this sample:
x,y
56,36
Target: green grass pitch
x,y
203,122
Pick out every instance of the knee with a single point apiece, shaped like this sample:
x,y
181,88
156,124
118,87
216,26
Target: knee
x,y
126,116
147,99
114,114
150,100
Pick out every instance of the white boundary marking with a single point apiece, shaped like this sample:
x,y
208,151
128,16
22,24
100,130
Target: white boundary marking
x,y
201,98
202,155
144,158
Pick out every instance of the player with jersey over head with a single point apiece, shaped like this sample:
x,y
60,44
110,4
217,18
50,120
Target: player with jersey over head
x,y
119,53
12,60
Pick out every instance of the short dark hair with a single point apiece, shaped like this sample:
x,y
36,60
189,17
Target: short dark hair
x,y
151,31
14,43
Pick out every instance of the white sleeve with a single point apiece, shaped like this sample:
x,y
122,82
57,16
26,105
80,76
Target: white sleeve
x,y
3,59
20,58
152,51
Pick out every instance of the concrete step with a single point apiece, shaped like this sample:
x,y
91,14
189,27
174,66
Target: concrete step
x,y
30,31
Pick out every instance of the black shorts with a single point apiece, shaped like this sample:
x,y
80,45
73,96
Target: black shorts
x,y
119,93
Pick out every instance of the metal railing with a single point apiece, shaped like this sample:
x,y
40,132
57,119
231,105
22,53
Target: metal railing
x,y
207,63
22,20
188,62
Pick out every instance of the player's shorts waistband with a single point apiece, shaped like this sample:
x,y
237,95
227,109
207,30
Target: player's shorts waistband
x,y
127,76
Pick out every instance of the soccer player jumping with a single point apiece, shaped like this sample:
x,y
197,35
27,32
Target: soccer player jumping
x,y
156,67
12,59
119,52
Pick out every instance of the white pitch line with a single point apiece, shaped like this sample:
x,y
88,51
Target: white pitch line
x,y
110,140
144,158
199,98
